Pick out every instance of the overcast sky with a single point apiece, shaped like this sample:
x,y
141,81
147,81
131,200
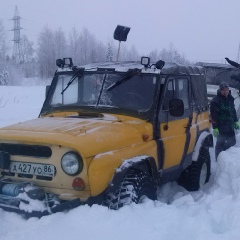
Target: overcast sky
x,y
202,30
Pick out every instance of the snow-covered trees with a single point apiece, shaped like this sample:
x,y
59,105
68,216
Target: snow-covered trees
x,y
129,55
74,46
109,52
10,71
26,49
169,55
3,41
46,54
82,46
4,77
91,50
60,43
4,74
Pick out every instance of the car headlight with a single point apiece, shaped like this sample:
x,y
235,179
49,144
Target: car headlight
x,y
72,163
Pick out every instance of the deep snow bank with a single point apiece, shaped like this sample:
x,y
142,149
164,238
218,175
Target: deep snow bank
x,y
211,213
18,103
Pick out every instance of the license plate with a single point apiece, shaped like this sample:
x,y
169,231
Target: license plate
x,y
32,168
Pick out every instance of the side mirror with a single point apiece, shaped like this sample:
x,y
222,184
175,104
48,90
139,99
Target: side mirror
x,y
176,107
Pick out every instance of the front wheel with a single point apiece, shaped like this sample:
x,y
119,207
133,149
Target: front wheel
x,y
134,187
198,173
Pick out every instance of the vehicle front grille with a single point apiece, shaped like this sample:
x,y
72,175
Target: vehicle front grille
x,y
26,150
29,176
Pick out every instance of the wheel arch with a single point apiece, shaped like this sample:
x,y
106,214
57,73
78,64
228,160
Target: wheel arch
x,y
140,163
205,139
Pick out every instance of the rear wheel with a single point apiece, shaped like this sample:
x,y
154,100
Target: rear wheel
x,y
198,173
136,185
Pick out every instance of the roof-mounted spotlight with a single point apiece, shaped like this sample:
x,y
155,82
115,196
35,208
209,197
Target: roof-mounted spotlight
x,y
65,62
145,61
68,62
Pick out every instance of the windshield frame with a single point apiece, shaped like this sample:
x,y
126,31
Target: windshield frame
x,y
47,108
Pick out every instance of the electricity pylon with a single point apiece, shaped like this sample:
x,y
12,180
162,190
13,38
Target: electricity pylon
x,y
17,39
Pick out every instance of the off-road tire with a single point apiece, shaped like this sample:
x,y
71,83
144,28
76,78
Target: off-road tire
x,y
194,177
135,185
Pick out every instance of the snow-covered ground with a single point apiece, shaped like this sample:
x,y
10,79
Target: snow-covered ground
x,y
211,213
20,103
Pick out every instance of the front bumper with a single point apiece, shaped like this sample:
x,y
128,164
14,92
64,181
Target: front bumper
x,y
30,201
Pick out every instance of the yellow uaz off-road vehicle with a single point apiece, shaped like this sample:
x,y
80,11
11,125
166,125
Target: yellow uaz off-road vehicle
x,y
109,134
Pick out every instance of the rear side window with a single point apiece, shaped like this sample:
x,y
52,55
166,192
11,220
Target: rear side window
x,y
176,88
183,91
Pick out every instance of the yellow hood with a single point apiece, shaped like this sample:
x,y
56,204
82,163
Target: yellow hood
x,y
89,136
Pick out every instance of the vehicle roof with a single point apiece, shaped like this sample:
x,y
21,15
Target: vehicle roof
x,y
215,65
169,68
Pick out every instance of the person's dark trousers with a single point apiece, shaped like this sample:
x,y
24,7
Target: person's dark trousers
x,y
224,141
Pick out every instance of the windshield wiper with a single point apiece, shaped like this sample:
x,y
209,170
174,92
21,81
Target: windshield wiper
x,y
129,74
78,74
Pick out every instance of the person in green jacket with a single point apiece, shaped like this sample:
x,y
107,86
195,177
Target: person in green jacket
x,y
223,118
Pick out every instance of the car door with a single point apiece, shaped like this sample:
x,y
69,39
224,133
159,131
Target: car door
x,y
174,132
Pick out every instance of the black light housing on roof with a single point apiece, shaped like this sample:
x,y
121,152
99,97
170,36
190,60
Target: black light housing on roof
x,y
145,61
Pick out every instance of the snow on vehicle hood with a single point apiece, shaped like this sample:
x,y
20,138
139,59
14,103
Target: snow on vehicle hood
x,y
89,136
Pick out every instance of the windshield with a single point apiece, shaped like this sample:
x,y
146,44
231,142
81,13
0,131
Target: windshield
x,y
92,89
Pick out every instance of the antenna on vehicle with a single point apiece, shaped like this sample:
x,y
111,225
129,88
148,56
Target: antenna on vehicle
x,y
120,34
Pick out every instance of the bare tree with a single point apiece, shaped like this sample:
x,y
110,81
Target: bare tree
x,y
109,52
60,43
132,54
26,49
46,53
84,48
3,41
87,41
28,65
99,52
154,55
172,55
74,46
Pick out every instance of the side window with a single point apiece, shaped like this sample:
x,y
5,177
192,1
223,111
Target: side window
x,y
183,92
169,93
176,88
